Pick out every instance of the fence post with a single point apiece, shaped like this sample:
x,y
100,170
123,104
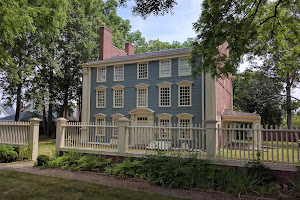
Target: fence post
x,y
210,126
123,135
34,137
60,132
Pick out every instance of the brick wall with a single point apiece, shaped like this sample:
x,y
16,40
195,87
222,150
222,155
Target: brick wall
x,y
223,87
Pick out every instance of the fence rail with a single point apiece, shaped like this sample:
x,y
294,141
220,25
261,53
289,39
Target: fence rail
x,y
220,144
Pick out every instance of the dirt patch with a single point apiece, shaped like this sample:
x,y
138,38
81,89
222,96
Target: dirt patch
x,y
104,179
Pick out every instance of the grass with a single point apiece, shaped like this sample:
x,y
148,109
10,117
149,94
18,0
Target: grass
x,y
17,185
46,145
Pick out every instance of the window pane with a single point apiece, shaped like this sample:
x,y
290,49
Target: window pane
x,y
185,68
142,70
119,73
165,130
101,98
118,98
100,131
185,96
164,96
101,74
165,68
185,133
142,97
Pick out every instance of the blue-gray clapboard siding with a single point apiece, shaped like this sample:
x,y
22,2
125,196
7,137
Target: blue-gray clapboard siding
x,y
130,81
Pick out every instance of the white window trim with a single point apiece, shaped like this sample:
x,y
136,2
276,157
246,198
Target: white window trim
x,y
185,83
165,116
137,69
98,81
160,76
100,88
179,59
186,116
100,116
115,117
115,73
164,85
141,86
118,87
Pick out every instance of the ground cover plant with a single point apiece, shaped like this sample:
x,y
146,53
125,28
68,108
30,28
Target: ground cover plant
x,y
17,185
9,153
174,172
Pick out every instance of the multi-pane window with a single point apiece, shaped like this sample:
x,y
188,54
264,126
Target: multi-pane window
x,y
100,128
101,74
100,98
164,96
185,96
142,70
142,97
165,130
115,129
184,68
118,98
185,129
165,69
118,73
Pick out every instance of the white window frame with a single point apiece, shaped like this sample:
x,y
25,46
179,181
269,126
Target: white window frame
x,y
164,85
101,88
100,131
117,88
188,129
179,68
138,71
115,69
115,122
160,68
185,83
98,77
139,87
165,130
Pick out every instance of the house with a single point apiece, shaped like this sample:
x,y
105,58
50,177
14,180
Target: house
x,y
6,110
148,88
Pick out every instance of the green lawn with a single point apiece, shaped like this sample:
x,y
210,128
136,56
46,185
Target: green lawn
x,y
17,185
46,145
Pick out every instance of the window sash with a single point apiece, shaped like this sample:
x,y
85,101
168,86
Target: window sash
x,y
101,74
185,68
142,97
100,101
118,98
165,96
165,68
185,96
143,71
185,133
118,73
100,131
165,130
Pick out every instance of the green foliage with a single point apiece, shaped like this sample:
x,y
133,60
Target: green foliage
x,y
256,92
68,160
25,152
92,163
127,168
295,184
42,160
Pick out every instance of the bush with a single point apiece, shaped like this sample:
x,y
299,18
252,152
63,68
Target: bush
x,y
127,168
92,163
25,152
68,160
10,155
42,160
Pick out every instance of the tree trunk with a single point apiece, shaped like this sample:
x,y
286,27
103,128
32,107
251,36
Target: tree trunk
x,y
44,120
19,90
50,109
65,104
288,102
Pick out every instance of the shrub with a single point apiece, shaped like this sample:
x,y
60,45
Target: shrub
x,y
68,160
25,152
10,155
42,160
126,168
92,163
295,184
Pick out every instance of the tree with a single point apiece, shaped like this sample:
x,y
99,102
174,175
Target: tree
x,y
264,29
256,92
142,46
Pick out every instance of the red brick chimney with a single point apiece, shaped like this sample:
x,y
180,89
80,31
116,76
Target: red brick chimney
x,y
105,43
129,48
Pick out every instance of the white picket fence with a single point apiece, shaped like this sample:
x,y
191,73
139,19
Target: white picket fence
x,y
223,145
20,134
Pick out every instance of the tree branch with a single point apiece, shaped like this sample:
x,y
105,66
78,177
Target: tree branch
x,y
275,13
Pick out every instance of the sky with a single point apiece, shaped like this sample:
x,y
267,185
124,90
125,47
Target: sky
x,y
172,27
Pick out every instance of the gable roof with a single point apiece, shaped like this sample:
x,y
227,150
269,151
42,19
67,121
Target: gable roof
x,y
140,56
24,116
227,112
7,109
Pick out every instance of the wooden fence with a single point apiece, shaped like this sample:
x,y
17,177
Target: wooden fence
x,y
21,133
222,145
